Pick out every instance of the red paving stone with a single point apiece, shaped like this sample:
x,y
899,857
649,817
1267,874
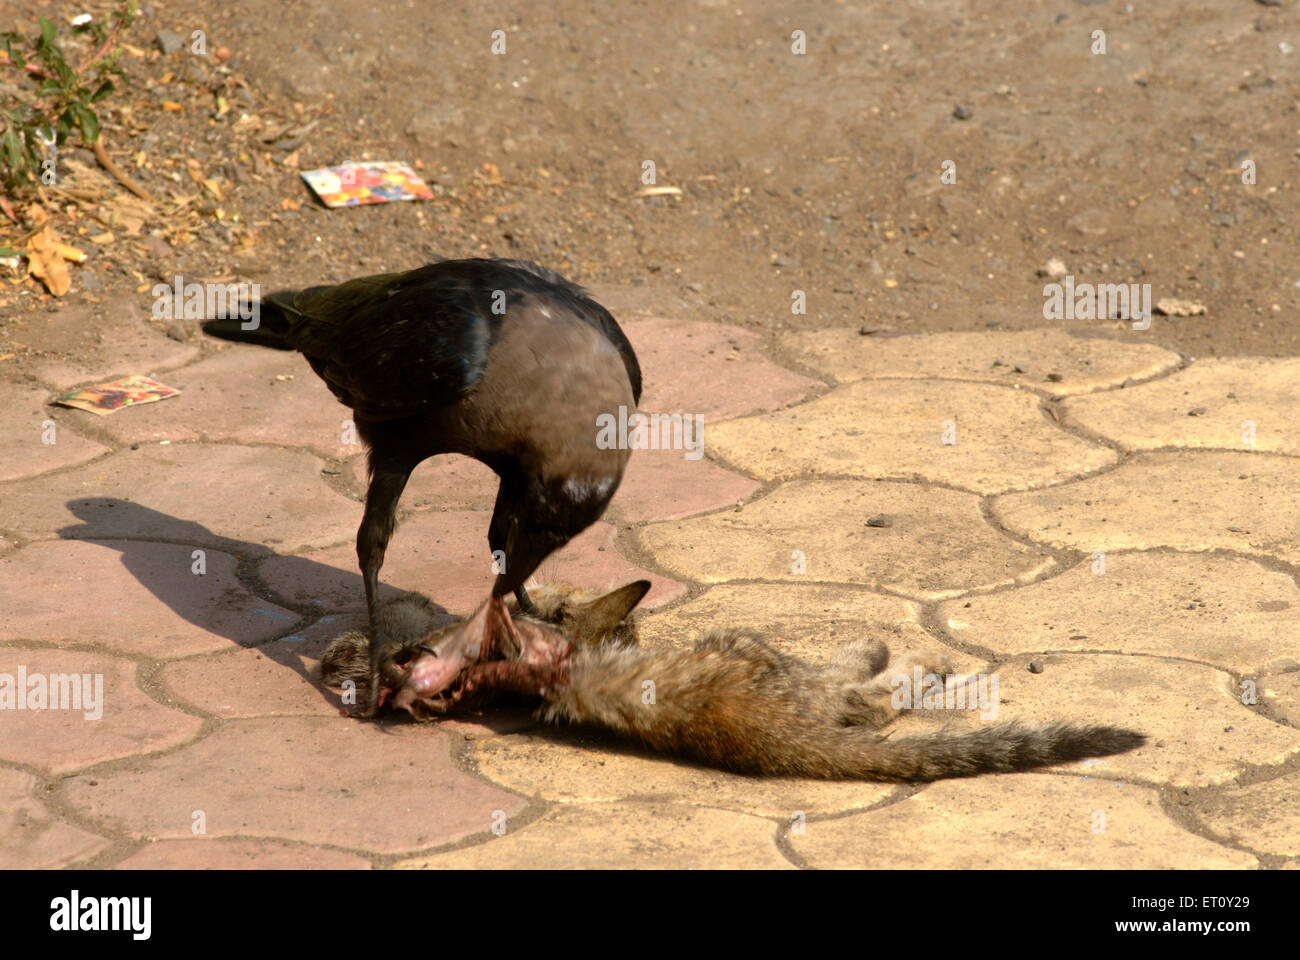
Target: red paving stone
x,y
124,346
275,679
214,854
445,556
244,395
31,834
245,500
388,788
132,596
691,367
35,438
59,741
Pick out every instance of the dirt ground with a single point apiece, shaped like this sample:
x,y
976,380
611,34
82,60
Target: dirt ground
x,y
817,172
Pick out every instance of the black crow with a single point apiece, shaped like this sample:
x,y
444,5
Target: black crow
x,y
501,360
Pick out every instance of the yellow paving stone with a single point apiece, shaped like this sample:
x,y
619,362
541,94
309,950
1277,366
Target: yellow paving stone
x,y
1281,692
807,620
1264,817
628,836
1020,822
569,768
1188,501
1000,439
1083,363
938,543
1243,403
1199,733
1230,612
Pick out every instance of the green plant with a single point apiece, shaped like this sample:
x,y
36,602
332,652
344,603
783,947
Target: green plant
x,y
63,96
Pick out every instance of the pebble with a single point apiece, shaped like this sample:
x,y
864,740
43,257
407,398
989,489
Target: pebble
x,y
963,112
880,520
1035,666
168,42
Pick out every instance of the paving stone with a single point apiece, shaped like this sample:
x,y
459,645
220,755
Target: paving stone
x,y
1263,817
445,555
1229,612
32,836
809,621
567,765
132,596
57,741
937,545
628,836
243,500
1199,733
78,349
713,370
1015,822
1243,403
216,854
1083,363
247,396
1281,691
27,425
664,485
276,679
896,429
384,788
1188,501
446,482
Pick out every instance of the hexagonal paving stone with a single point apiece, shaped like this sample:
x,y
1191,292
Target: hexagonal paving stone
x,y
214,854
446,482
243,500
713,370
133,596
59,740
1188,501
445,555
897,429
628,836
78,349
809,621
31,835
1246,403
387,788
1198,731
276,679
1264,817
1083,363
245,396
1281,692
938,544
1226,611
572,766
35,438
1017,822
664,485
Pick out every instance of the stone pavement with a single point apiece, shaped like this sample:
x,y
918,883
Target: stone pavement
x,y
1126,520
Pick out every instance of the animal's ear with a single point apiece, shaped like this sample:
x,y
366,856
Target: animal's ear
x,y
593,621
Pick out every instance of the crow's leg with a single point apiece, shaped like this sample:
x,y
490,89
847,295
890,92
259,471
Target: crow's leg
x,y
509,495
387,481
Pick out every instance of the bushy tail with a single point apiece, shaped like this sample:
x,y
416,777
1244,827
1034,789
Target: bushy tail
x,y
273,314
734,713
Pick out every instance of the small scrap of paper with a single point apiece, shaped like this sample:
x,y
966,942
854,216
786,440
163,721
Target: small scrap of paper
x,y
356,183
109,397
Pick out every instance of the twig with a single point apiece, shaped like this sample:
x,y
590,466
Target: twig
x,y
118,174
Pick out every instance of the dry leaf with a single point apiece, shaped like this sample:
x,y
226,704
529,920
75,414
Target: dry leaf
x,y
45,263
171,106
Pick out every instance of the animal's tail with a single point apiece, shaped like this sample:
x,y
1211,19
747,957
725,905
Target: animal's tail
x,y
732,713
272,319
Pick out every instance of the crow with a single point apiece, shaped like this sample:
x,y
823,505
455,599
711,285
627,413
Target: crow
x,y
500,360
